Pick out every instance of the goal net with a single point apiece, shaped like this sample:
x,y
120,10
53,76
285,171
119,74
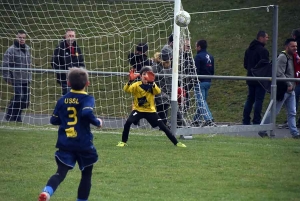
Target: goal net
x,y
106,33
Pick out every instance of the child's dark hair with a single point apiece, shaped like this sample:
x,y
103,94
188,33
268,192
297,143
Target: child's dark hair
x,y
21,31
145,69
78,77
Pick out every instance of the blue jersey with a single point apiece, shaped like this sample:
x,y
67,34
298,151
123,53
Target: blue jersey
x,y
74,114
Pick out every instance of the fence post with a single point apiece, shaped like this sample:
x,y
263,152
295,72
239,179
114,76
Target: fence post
x,y
274,69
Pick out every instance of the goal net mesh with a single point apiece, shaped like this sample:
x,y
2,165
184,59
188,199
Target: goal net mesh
x,y
106,33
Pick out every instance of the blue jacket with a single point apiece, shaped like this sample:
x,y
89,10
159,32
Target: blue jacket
x,y
205,64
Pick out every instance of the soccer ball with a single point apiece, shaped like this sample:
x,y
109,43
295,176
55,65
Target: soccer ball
x,y
182,18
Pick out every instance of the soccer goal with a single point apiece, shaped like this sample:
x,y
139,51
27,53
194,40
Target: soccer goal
x,y
106,32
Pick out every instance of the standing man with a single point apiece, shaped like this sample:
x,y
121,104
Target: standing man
x,y
17,56
168,47
188,68
205,65
256,93
285,69
66,55
139,59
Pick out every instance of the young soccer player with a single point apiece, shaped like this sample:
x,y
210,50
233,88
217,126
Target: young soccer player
x,y
74,114
144,92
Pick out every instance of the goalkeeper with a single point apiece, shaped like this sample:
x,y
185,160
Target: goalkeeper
x,y
144,106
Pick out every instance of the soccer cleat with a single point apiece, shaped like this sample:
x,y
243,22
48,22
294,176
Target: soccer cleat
x,y
44,196
179,144
121,144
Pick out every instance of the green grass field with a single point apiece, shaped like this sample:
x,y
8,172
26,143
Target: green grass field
x,y
107,38
152,169
212,167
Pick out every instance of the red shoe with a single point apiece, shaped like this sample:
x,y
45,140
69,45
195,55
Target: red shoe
x,y
44,196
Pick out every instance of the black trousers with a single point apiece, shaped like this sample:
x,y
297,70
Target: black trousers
x,y
153,119
19,101
162,111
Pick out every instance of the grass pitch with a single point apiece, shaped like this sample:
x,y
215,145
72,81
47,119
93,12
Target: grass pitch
x,y
152,169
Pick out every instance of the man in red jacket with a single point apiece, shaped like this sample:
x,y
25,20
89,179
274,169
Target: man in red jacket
x,y
296,36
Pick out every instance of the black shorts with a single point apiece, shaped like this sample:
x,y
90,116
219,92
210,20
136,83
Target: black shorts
x,y
83,158
152,117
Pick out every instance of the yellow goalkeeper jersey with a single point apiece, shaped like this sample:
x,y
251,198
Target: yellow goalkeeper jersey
x,y
143,96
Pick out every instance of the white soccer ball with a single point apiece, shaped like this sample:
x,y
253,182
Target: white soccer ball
x,y
182,18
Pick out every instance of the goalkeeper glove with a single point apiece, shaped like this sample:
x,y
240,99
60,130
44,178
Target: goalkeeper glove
x,y
150,77
132,75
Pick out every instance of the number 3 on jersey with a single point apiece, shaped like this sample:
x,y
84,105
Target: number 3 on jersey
x,y
71,132
72,115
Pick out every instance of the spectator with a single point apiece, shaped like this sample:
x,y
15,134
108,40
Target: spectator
x,y
139,59
17,56
144,106
205,66
256,93
66,55
73,114
162,65
296,59
169,46
188,69
285,69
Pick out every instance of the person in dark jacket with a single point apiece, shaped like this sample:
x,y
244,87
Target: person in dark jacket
x,y
256,93
67,55
205,65
17,56
139,59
